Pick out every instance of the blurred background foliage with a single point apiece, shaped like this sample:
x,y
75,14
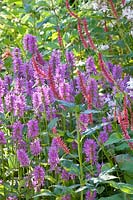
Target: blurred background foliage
x,y
114,37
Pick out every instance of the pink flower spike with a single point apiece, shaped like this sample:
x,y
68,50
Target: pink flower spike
x,y
113,9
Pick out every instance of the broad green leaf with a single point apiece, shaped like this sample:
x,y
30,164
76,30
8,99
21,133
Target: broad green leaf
x,y
106,176
126,188
100,189
65,103
125,162
114,138
44,193
60,189
70,166
78,98
52,123
106,167
119,196
92,130
91,111
81,189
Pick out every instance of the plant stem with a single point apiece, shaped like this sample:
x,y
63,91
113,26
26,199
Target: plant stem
x,y
80,154
3,166
19,178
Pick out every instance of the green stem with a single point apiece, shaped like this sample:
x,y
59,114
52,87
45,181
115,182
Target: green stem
x,y
3,166
80,155
34,19
104,151
12,180
19,178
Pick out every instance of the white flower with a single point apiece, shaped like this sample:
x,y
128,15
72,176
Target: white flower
x,y
130,87
130,84
99,5
103,47
128,13
131,93
95,5
104,7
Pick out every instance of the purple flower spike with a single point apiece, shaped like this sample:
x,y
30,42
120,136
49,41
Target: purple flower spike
x,y
38,177
90,150
30,43
23,157
2,138
53,158
35,148
19,105
103,137
33,129
9,101
2,87
17,61
70,58
90,66
90,195
17,131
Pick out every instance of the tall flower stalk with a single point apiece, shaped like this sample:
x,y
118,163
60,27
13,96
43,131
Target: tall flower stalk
x,y
79,142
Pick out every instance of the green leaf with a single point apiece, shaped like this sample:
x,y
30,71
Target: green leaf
x,y
1,189
70,166
81,189
114,138
126,188
39,24
106,176
106,167
12,162
91,111
44,193
100,189
119,196
128,69
66,104
91,130
78,98
60,189
122,161
52,123
50,178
